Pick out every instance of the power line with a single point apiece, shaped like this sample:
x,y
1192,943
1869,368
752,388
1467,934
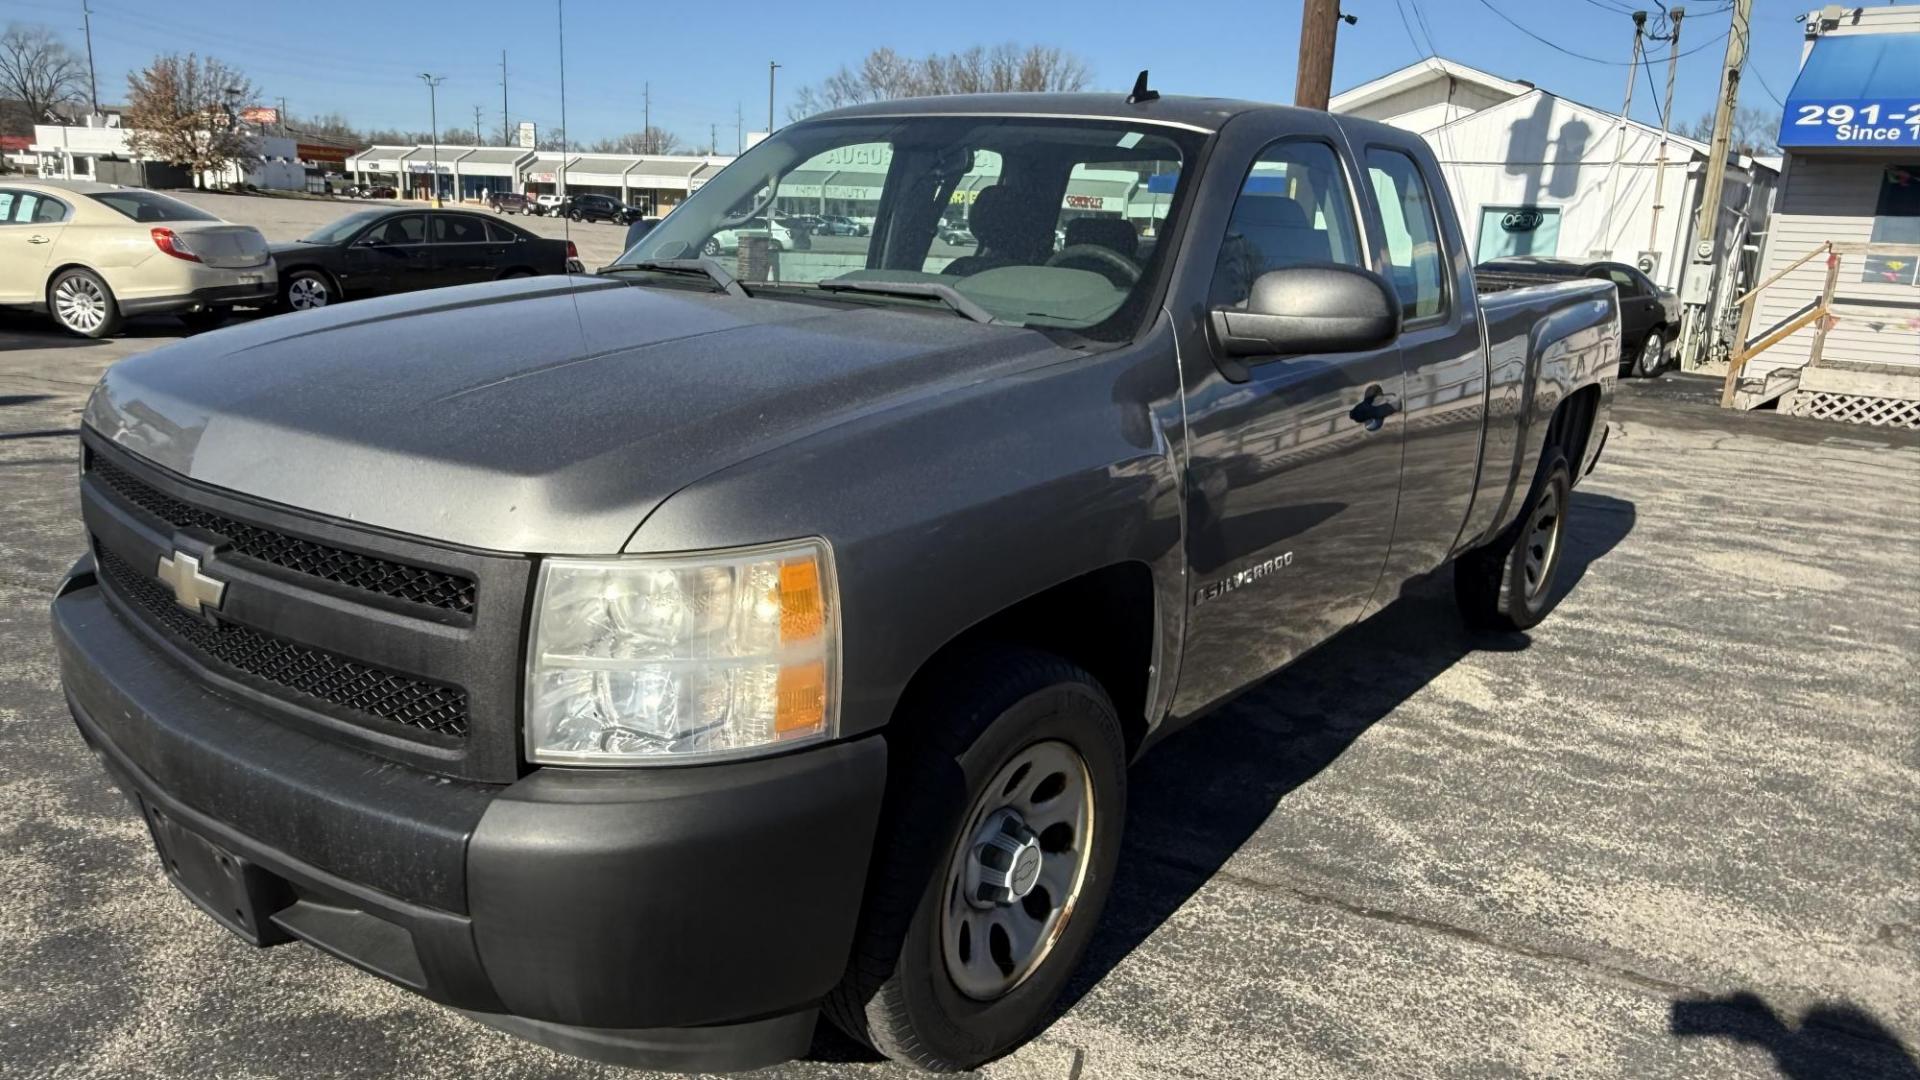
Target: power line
x,y
1762,80
1488,4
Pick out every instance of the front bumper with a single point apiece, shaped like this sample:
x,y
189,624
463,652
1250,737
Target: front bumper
x,y
679,918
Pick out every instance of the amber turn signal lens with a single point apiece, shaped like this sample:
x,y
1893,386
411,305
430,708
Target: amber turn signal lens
x,y
802,608
801,699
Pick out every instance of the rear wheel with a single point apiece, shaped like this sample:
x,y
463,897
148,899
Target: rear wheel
x,y
1653,355
711,247
82,304
996,854
1508,584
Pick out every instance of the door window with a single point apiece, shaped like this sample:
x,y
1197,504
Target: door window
x,y
458,229
1625,280
30,208
1412,231
500,234
408,229
1293,209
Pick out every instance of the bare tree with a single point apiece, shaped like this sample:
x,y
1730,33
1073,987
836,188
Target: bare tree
x,y
554,140
1006,68
181,109
1754,130
651,141
458,137
39,71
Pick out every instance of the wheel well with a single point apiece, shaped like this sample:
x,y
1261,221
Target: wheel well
x,y
1101,621
63,268
1572,426
332,281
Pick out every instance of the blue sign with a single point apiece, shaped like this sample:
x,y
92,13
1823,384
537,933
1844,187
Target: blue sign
x,y
1858,90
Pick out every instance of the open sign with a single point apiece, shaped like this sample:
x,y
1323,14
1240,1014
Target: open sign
x,y
1522,220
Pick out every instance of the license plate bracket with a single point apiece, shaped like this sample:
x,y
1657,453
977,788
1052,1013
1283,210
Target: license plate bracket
x,y
239,895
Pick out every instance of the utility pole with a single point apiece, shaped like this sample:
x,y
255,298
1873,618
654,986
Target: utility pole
x,y
646,118
477,137
1697,288
1319,26
1674,15
1604,249
282,115
93,79
506,123
739,130
713,138
771,68
433,114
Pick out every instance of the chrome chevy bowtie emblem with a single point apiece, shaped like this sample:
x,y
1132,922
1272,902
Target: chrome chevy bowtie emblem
x,y
192,589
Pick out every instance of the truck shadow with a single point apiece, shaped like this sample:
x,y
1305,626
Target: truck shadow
x,y
1195,799
1831,1041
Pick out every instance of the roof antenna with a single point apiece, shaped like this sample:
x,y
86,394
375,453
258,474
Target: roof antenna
x,y
1141,95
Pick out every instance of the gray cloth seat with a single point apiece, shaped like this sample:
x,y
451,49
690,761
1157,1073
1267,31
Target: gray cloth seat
x,y
1010,229
1268,232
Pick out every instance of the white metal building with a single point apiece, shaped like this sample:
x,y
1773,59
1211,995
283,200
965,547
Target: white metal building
x,y
656,181
1533,173
1852,179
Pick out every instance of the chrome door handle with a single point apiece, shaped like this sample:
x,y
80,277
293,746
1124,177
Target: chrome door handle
x,y
39,239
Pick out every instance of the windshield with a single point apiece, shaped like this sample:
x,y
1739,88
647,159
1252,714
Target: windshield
x,y
144,206
339,231
1040,222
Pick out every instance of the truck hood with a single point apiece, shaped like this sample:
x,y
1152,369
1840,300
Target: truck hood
x,y
545,415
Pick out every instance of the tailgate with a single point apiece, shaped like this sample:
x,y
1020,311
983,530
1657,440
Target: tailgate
x,y
226,246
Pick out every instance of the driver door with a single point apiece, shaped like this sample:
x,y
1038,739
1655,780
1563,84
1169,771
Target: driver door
x,y
1294,461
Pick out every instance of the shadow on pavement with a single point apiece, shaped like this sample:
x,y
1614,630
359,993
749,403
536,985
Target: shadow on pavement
x,y
1195,799
1833,1039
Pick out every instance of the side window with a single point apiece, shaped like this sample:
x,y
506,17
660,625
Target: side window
x,y
9,203
410,229
1628,285
1412,228
500,234
458,229
49,212
1293,208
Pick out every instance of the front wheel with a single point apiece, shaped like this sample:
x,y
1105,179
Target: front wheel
x,y
996,853
305,290
1653,355
711,247
1507,585
82,304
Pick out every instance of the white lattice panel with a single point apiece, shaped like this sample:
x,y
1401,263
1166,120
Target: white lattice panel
x,y
1855,408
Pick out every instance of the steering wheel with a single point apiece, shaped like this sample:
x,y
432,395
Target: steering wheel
x,y
1096,253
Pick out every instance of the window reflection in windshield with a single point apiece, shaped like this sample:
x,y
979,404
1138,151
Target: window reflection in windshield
x,y
1041,222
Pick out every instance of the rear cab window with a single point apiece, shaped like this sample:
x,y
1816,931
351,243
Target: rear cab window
x,y
149,206
1410,224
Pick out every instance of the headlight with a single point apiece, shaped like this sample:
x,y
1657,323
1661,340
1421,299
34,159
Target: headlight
x,y
642,661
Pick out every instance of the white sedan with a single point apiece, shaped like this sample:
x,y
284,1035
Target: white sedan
x,y
729,239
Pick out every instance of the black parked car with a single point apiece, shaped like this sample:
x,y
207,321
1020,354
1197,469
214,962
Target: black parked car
x,y
375,252
1649,314
602,208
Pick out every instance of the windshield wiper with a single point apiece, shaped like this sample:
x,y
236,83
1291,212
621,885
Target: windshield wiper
x,y
707,268
918,290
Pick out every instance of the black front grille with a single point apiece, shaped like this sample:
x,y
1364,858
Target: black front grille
x,y
332,680
350,568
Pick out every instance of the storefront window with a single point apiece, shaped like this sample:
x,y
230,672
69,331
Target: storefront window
x,y
1896,219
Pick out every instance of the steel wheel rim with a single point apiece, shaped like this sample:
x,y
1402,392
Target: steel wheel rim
x,y
1003,910
1543,541
305,292
80,304
1650,353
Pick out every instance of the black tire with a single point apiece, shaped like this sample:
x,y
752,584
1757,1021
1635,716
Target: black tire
x,y
307,290
201,321
81,303
1653,354
1508,584
711,247
978,717
512,274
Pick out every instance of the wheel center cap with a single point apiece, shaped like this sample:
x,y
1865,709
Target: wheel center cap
x,y
1006,861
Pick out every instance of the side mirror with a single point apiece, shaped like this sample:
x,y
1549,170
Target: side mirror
x,y
1313,308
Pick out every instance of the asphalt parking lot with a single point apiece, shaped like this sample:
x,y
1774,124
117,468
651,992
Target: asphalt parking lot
x,y
1668,833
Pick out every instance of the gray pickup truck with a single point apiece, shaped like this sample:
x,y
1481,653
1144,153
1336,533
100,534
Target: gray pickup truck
x,y
649,662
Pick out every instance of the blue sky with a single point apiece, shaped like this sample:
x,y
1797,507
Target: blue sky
x,y
361,59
